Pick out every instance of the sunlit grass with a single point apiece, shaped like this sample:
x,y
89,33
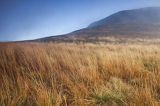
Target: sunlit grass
x,y
35,74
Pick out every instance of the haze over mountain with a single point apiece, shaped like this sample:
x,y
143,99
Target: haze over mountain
x,y
136,23
150,15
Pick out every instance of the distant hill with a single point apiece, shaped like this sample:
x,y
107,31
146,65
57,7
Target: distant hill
x,y
150,15
136,23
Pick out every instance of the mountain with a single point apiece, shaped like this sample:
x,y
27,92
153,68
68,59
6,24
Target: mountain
x,y
136,23
150,15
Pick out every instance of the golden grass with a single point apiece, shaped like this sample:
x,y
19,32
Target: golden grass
x,y
49,74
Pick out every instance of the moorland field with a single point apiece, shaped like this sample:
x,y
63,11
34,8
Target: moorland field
x,y
59,74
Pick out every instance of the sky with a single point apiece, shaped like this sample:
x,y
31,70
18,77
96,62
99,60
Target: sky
x,y
31,19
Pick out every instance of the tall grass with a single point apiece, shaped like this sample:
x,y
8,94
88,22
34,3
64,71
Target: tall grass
x,y
49,74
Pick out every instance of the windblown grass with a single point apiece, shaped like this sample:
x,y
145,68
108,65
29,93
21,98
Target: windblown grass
x,y
49,74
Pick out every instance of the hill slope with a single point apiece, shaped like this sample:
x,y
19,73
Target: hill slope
x,y
136,23
150,15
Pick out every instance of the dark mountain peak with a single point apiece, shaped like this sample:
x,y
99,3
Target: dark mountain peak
x,y
148,15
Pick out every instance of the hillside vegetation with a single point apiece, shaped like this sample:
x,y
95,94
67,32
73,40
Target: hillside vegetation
x,y
48,74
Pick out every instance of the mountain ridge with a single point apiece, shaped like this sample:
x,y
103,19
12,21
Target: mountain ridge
x,y
135,23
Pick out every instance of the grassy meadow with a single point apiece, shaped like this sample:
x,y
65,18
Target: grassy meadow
x,y
49,74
